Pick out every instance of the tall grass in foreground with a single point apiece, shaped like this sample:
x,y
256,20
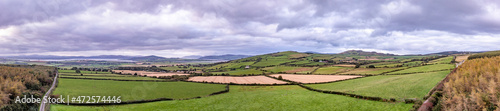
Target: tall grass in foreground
x,y
475,86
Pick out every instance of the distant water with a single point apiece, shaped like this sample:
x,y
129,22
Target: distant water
x,y
113,60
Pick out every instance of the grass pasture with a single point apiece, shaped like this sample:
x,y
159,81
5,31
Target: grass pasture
x,y
382,64
425,68
78,74
331,70
388,86
134,90
371,71
289,69
271,62
83,72
444,60
240,72
252,98
114,77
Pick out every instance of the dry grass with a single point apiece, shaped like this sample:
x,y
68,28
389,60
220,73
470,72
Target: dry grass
x,y
461,58
474,86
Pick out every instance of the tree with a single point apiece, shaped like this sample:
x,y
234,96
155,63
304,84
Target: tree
x,y
280,78
135,74
357,66
371,66
74,68
77,71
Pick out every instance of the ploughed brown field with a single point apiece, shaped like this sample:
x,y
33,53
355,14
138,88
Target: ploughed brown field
x,y
149,74
314,78
237,80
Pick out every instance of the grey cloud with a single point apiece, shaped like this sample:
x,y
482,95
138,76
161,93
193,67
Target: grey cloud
x,y
69,30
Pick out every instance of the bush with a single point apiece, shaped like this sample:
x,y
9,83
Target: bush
x,y
371,66
280,78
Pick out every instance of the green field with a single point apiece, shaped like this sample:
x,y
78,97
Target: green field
x,y
425,68
331,70
180,68
115,77
134,90
270,62
84,72
414,63
444,60
256,98
388,86
370,71
289,69
78,74
382,64
240,72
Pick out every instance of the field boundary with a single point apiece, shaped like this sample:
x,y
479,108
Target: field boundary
x,y
117,79
145,101
428,104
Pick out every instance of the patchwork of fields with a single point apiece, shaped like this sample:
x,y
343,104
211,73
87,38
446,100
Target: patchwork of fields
x,y
254,98
401,77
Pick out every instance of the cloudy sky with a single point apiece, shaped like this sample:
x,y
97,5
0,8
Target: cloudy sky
x,y
210,27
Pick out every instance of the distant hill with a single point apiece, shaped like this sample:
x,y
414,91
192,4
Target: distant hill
x,y
153,58
453,52
148,58
364,53
223,57
192,57
69,57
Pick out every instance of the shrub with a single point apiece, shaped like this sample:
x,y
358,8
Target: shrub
x,y
371,66
280,78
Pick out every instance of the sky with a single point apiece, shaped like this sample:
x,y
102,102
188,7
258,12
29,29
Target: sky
x,y
177,28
